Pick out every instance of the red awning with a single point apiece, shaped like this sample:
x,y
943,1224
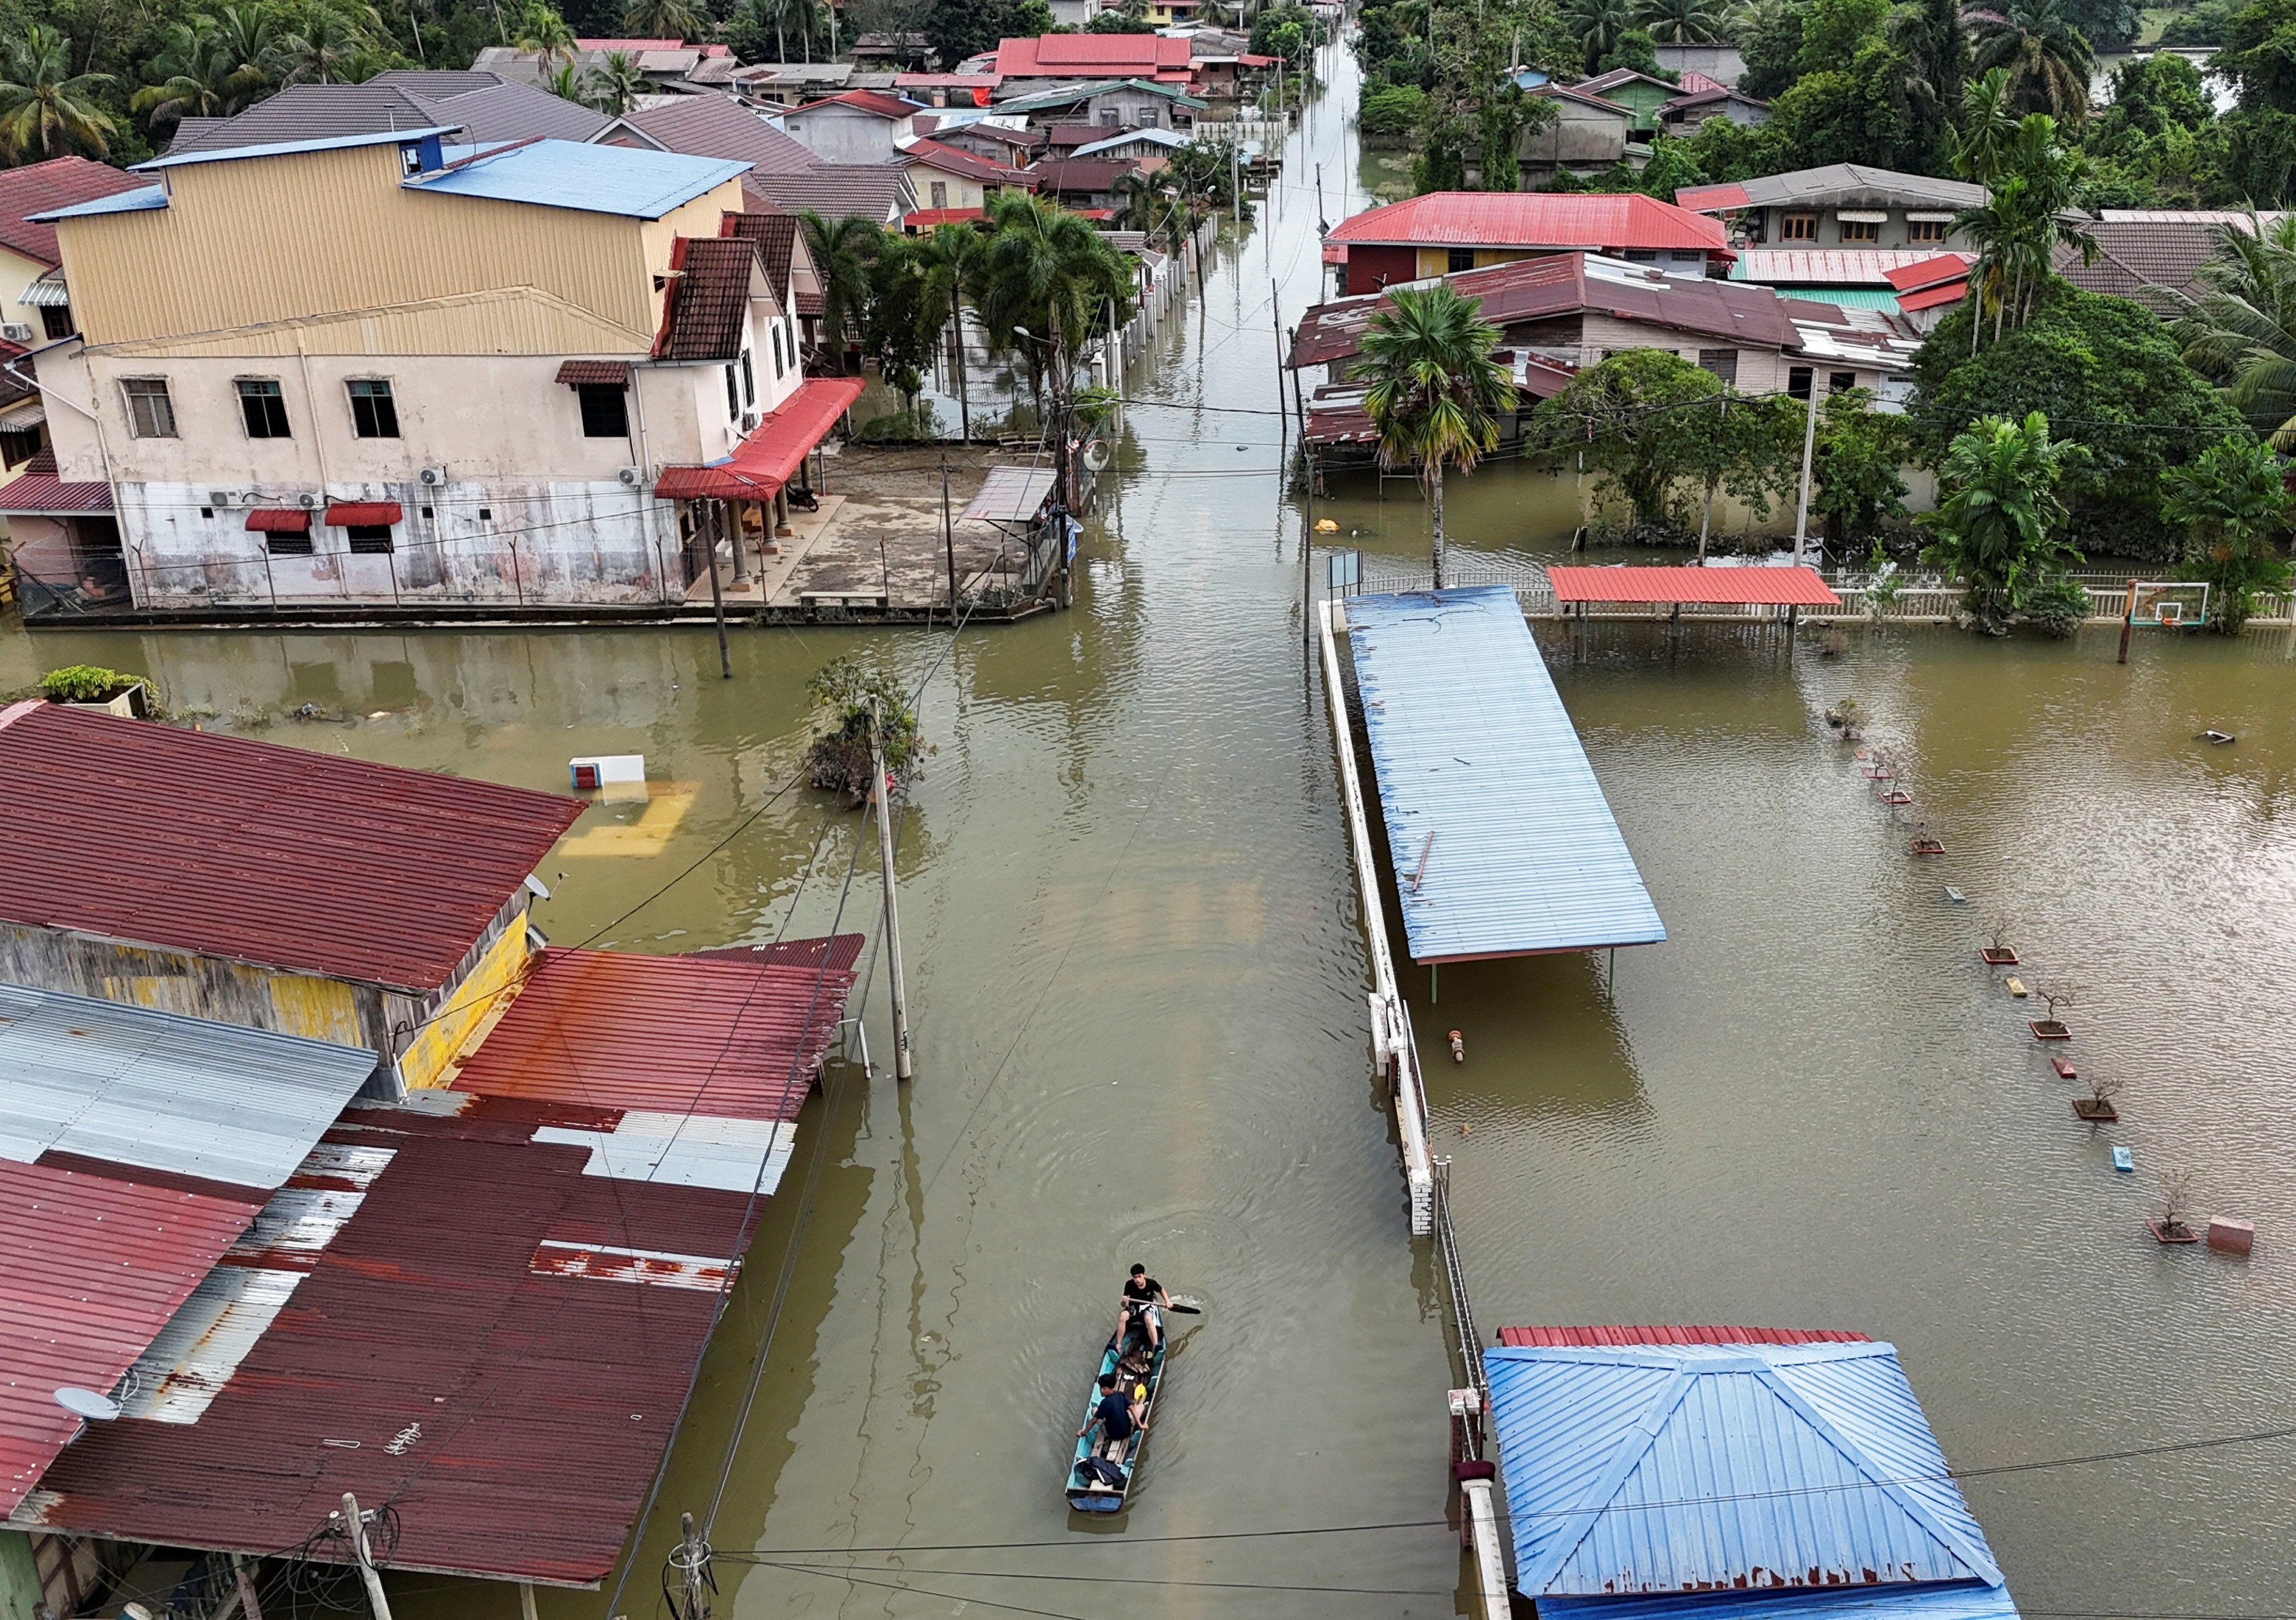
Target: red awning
x,y
278,520
603,374
764,460
364,514
1765,587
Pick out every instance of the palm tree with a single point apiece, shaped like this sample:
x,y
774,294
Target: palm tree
x,y
322,47
1999,527
1988,124
1932,67
44,106
198,78
1046,280
615,84
843,251
569,83
1436,393
2229,499
250,37
2241,332
947,258
1597,24
2026,216
2049,60
1683,22
543,31
663,19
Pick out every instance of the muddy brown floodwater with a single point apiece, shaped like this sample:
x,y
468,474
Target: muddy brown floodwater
x,y
1137,979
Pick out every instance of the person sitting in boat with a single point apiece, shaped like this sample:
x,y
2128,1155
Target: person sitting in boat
x,y
1143,1297
1117,1416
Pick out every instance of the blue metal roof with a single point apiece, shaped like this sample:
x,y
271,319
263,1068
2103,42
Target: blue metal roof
x,y
159,1091
288,149
634,181
1473,746
119,202
1959,1600
1676,1468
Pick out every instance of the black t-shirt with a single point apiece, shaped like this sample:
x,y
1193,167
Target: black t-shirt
x,y
1115,1414
1143,1289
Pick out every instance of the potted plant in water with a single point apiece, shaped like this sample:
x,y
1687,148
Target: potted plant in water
x,y
2053,1028
2096,1108
93,686
2000,953
2168,1226
1923,844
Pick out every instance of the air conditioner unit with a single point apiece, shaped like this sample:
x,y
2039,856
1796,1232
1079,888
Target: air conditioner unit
x,y
307,500
221,497
15,332
632,477
433,478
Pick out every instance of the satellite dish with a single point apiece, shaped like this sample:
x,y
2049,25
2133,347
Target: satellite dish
x,y
1096,456
86,1403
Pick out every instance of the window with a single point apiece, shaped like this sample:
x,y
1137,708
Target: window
x,y
18,446
374,414
1797,228
1148,118
1642,256
749,381
777,351
1836,381
262,408
941,194
1112,118
1926,230
150,413
1722,362
1462,258
279,544
1798,380
1866,231
605,414
55,320
732,392
369,539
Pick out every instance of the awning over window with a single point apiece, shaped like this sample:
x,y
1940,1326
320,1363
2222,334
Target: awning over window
x,y
764,460
47,293
364,514
23,418
1862,216
279,521
607,373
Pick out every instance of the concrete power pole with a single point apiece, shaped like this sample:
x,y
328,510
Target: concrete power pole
x,y
359,1551
892,911
1808,446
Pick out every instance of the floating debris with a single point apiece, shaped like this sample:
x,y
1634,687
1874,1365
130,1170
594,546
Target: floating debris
x,y
2218,737
1955,896
2124,1160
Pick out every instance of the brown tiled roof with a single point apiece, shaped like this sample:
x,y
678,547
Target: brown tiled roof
x,y
609,373
775,236
718,127
878,192
2133,256
969,165
708,299
1078,175
57,183
500,111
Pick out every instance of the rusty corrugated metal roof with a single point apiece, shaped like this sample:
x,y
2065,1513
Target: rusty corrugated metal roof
x,y
664,1034
269,855
507,1381
91,1268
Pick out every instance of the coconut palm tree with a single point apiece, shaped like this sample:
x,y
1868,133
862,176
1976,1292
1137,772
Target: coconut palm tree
x,y
843,251
45,107
322,47
663,19
2241,331
249,36
1435,394
615,84
1683,22
543,31
2000,527
947,259
1988,124
1597,25
2049,60
1046,284
197,79
569,83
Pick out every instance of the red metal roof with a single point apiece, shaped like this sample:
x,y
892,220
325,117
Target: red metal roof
x,y
1602,1338
925,219
496,1344
767,458
1713,199
44,494
91,1268
278,520
666,1034
971,166
37,188
1532,219
271,855
1930,298
1929,272
1092,56
1734,587
841,951
868,101
601,373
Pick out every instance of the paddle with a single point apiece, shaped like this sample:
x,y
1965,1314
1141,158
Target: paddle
x,y
1183,1305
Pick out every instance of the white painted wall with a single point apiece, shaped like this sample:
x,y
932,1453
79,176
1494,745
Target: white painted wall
x,y
837,134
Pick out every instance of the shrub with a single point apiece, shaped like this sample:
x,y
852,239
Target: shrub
x,y
86,683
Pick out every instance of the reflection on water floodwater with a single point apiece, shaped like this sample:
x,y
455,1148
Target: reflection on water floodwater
x,y
1137,979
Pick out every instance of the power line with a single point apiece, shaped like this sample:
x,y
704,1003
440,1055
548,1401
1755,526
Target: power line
x,y
1023,1575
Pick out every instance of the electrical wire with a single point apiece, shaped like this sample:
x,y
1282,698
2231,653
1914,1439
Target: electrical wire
x,y
1023,1574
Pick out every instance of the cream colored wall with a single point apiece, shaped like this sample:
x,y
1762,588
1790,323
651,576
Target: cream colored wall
x,y
271,239
16,274
1760,370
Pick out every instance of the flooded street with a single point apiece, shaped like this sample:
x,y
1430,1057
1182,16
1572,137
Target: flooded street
x,y
1136,984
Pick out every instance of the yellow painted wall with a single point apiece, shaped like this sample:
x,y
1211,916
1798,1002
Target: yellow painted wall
x,y
321,1009
272,239
1437,261
1498,255
425,1062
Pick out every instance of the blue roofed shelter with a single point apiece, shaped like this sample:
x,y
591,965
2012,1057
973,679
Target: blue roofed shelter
x,y
1502,842
1732,1482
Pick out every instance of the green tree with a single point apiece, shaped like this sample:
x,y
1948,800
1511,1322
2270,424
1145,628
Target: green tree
x,y
251,38
543,31
1118,22
2049,62
1769,37
2036,179
1635,50
45,109
1683,22
1834,31
1597,25
842,253
1846,116
2231,500
2108,24
1435,397
198,78
1640,421
1393,110
947,259
324,43
1931,64
664,19
1857,470
569,83
2105,370
1999,528
1046,283
2239,332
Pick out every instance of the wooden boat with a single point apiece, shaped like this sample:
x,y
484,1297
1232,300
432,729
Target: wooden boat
x,y
1140,1374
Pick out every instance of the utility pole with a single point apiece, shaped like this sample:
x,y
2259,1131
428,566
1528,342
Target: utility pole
x,y
1322,228
690,1560
357,1529
892,911
710,511
1236,179
1808,446
948,544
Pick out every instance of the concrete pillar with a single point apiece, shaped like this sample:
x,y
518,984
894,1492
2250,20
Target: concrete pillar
x,y
20,1577
733,510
